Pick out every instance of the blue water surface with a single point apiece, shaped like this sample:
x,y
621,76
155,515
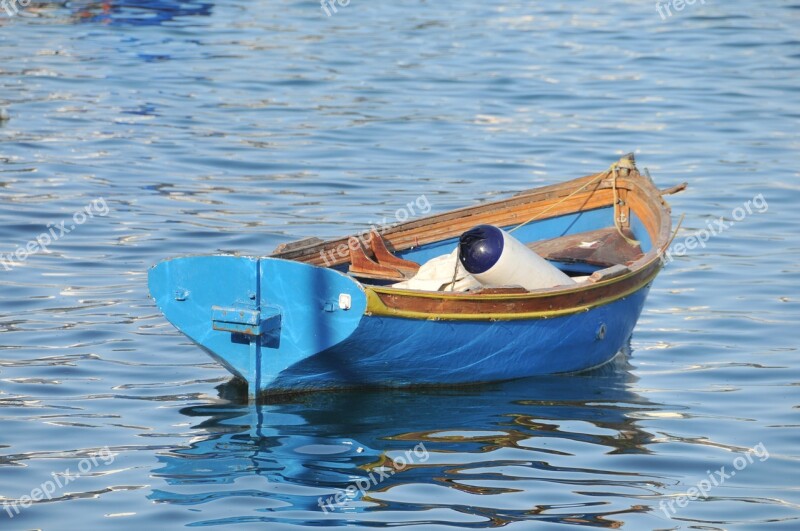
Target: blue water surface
x,y
154,128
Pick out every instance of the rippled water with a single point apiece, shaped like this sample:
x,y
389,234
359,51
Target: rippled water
x,y
240,125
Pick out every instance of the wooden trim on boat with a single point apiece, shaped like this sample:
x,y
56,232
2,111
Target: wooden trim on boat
x,y
635,192
450,224
553,302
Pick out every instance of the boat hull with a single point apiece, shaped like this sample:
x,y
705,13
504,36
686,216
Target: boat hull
x,y
398,352
318,345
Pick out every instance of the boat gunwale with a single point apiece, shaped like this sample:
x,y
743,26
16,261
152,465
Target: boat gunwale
x,y
531,198
638,192
654,213
378,308
535,294
660,241
397,235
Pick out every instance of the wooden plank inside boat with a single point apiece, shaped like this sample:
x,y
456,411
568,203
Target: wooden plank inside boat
x,y
604,248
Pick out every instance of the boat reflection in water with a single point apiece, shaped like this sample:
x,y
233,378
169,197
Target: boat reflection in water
x,y
138,12
531,449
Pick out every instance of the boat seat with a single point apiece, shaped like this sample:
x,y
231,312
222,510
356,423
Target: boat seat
x,y
602,248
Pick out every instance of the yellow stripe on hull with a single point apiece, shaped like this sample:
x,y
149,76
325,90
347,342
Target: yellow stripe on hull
x,y
376,307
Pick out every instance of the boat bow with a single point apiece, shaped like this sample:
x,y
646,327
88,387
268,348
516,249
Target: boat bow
x,y
257,316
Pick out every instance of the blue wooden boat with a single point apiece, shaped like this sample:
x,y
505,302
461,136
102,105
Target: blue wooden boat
x,y
324,314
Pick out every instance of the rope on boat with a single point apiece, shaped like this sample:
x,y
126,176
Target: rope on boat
x,y
612,170
630,241
548,209
452,282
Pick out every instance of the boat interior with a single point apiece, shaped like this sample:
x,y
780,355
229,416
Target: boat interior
x,y
593,228
576,253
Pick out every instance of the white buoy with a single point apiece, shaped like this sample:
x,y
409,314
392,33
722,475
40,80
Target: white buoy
x,y
495,259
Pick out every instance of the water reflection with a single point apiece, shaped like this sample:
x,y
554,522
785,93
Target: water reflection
x,y
517,440
138,12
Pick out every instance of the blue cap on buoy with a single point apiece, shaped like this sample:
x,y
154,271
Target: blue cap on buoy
x,y
480,248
